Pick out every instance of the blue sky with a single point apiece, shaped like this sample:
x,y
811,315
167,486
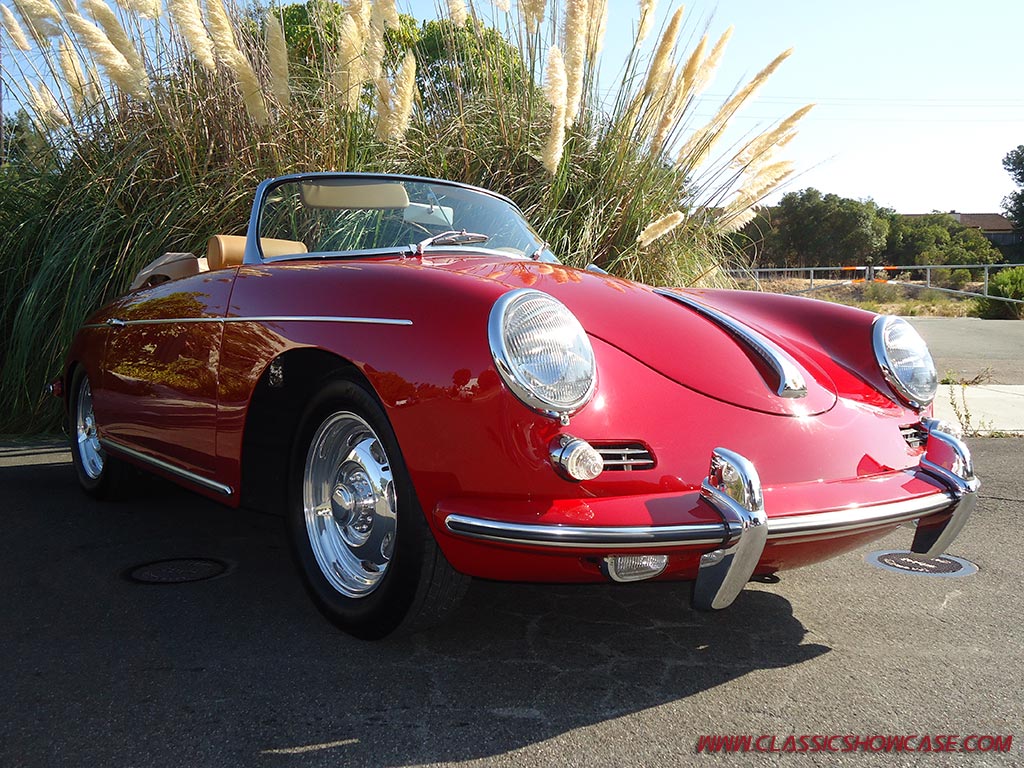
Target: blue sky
x,y
918,101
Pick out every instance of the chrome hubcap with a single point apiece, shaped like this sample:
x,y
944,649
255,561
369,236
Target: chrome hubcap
x,y
348,496
89,450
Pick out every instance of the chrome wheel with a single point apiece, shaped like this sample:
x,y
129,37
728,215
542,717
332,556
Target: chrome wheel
x,y
349,504
89,451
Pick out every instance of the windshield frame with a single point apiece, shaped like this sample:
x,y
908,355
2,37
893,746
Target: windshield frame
x,y
254,250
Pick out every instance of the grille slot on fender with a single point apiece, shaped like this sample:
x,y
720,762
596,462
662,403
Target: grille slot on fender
x,y
625,457
914,435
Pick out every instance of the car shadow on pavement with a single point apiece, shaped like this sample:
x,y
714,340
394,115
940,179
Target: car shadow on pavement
x,y
242,670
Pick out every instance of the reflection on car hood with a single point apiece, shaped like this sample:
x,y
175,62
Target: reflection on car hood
x,y
667,336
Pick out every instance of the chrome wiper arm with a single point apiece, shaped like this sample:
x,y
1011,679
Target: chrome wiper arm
x,y
451,237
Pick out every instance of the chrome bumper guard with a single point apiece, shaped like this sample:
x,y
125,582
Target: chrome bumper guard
x,y
733,489
948,461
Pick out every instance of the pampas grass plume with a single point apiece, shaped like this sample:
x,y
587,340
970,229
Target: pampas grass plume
x,y
703,139
457,11
659,228
597,28
349,70
149,9
394,106
107,19
533,13
388,11
92,90
646,20
46,107
277,58
702,77
405,96
189,20
227,51
658,73
773,139
72,70
221,32
10,23
41,18
106,54
555,92
577,23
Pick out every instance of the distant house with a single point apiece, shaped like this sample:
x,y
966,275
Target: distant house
x,y
996,227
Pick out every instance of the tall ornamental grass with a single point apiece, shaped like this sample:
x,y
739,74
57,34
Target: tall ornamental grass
x,y
145,127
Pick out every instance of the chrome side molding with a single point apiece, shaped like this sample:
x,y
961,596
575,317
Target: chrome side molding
x,y
733,488
166,466
791,381
119,323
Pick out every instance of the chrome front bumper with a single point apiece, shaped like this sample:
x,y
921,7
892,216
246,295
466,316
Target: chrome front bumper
x,y
733,489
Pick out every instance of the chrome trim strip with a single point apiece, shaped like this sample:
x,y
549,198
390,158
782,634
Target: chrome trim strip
x,y
579,537
836,521
255,319
791,380
192,477
723,573
318,319
856,518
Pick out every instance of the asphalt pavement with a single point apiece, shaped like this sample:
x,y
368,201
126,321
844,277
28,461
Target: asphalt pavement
x,y
240,670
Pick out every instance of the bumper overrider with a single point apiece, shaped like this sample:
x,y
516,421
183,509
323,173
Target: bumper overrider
x,y
733,489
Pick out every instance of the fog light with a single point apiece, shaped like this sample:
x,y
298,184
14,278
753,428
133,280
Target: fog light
x,y
633,567
576,459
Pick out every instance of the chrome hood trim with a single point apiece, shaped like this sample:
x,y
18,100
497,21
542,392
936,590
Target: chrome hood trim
x,y
791,382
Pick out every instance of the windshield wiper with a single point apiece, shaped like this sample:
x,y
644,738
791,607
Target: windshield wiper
x,y
451,237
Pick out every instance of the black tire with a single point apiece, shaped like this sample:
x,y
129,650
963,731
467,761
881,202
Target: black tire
x,y
100,475
353,517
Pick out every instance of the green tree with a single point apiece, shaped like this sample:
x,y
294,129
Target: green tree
x,y
811,229
935,238
311,34
1013,203
24,146
456,63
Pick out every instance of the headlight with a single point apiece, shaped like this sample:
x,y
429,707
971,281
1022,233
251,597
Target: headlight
x,y
542,352
905,360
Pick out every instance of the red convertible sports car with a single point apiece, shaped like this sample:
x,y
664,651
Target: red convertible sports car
x,y
403,369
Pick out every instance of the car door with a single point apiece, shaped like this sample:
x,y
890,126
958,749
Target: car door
x,y
158,394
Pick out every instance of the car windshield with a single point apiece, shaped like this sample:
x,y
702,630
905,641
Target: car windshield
x,y
343,216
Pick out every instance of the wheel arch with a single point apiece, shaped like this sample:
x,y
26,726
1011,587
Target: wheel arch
x,y
273,415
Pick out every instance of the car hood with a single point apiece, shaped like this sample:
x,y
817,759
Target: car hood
x,y
678,341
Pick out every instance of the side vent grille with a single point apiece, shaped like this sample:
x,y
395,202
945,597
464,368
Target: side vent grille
x,y
625,457
915,435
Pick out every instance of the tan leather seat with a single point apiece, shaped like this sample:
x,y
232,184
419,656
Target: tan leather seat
x,y
224,251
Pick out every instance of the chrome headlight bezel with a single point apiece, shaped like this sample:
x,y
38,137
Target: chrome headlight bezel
x,y
530,393
909,392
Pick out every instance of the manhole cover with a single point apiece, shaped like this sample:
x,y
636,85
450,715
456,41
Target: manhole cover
x,y
177,571
919,565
